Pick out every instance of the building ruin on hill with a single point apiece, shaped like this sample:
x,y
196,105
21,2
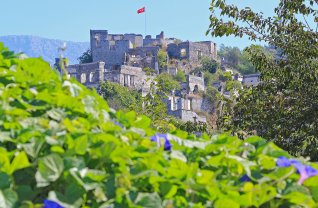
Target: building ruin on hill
x,y
122,58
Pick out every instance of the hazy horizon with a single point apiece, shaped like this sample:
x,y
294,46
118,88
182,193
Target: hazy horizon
x,y
71,20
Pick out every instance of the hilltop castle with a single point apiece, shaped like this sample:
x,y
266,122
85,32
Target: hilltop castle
x,y
121,58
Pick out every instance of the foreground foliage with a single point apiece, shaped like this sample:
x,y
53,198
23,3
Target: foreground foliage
x,y
59,143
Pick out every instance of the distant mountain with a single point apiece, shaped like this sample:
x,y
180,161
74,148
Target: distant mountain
x,y
34,46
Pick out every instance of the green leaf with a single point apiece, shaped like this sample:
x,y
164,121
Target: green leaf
x,y
142,122
57,149
5,181
272,150
49,169
25,192
8,198
226,202
34,147
267,162
314,192
72,198
147,200
168,190
81,145
299,199
19,162
312,181
4,161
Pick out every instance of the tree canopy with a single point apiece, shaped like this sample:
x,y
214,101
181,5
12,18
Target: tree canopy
x,y
283,107
235,58
86,57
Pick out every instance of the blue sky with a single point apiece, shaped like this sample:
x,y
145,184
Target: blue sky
x,y
72,19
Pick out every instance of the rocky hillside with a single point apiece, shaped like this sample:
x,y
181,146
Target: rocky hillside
x,y
46,48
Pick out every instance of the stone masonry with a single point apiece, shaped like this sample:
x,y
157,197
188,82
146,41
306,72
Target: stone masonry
x,y
192,51
121,58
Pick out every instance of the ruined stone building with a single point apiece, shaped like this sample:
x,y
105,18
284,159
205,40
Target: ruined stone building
x,y
133,50
88,74
182,108
125,49
121,58
251,80
192,51
186,102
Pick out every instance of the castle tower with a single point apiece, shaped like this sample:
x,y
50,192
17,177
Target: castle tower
x,y
99,44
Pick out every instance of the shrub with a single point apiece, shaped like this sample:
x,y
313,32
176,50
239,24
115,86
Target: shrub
x,y
59,143
180,76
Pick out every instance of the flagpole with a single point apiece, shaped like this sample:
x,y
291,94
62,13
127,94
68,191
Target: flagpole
x,y
145,22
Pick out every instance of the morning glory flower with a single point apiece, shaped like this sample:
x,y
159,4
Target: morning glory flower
x,y
245,178
118,124
51,204
283,162
303,170
162,140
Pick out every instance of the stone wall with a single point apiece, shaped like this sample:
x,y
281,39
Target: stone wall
x,y
199,104
112,48
192,51
90,74
179,51
187,115
136,40
251,80
183,109
195,83
158,41
129,76
143,57
212,48
172,70
99,44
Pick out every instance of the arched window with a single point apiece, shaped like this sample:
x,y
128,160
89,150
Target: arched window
x,y
183,52
196,89
97,40
83,78
91,77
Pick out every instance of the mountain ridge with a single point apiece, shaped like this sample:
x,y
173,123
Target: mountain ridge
x,y
36,46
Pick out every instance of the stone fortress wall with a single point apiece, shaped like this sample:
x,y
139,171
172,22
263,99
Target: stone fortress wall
x,y
121,58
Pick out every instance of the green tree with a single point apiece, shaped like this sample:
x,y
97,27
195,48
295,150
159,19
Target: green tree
x,y
162,59
245,66
149,71
212,95
231,55
154,107
86,57
283,107
208,65
120,97
166,84
180,76
237,59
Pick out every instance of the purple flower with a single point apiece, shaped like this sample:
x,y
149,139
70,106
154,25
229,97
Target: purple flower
x,y
245,178
118,124
51,204
162,140
303,170
283,162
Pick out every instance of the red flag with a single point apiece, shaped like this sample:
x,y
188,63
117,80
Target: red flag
x,y
142,10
